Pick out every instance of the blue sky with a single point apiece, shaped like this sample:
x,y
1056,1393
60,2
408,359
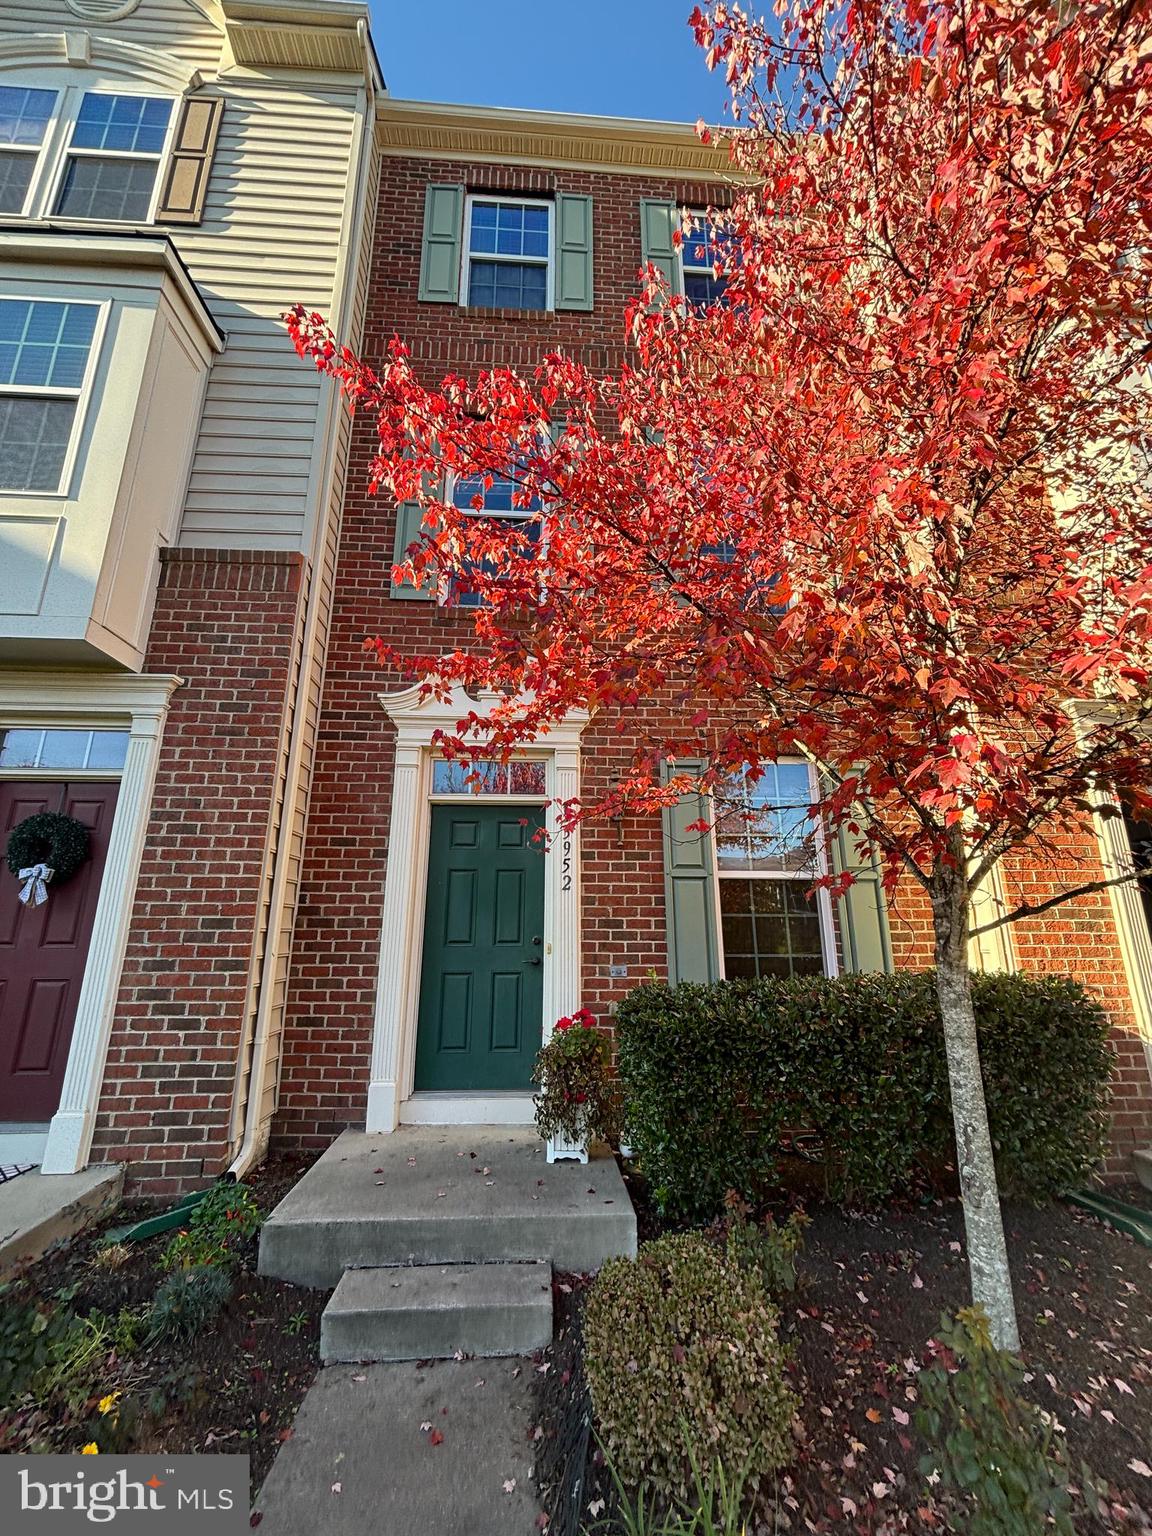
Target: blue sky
x,y
634,58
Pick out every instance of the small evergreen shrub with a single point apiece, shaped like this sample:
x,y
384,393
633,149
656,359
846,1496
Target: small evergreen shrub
x,y
769,1249
188,1301
685,1367
991,1447
711,1076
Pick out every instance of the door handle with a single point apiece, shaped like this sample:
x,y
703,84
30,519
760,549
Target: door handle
x,y
533,960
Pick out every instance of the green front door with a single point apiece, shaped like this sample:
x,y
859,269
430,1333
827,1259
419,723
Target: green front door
x,y
481,986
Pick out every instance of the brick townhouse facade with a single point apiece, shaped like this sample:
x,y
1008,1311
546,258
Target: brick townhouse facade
x,y
398,959
294,918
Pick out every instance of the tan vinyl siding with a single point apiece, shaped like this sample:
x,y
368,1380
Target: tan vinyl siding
x,y
175,27
324,578
270,237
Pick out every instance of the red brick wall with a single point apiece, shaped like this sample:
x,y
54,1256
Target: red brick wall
x,y
226,622
328,1036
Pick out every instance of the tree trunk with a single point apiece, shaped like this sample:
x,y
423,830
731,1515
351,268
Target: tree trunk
x,y
979,1193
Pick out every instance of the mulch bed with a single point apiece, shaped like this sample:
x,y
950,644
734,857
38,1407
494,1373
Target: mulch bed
x,y
872,1288
234,1388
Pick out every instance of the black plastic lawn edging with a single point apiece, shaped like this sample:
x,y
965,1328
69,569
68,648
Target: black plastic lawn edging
x,y
1130,1219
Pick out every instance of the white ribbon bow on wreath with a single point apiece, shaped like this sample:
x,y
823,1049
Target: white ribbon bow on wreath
x,y
35,887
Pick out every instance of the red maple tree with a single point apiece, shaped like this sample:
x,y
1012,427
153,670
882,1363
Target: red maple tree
x,y
884,504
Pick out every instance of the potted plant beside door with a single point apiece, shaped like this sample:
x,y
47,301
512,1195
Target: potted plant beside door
x,y
574,1105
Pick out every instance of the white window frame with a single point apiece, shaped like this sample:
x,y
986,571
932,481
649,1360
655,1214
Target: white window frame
x,y
66,152
823,899
705,269
40,153
82,394
513,515
548,262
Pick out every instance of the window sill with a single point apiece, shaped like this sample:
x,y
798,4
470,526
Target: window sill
x,y
481,312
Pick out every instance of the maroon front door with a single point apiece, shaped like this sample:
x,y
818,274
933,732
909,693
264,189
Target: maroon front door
x,y
43,949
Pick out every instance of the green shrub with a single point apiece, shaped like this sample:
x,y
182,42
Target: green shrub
x,y
990,1446
218,1227
188,1301
711,1075
32,1338
769,1248
685,1367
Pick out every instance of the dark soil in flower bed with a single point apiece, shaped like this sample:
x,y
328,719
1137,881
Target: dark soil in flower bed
x,y
872,1288
235,1387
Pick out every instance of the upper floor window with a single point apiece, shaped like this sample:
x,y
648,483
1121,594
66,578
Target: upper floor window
x,y
700,251
508,253
767,854
113,158
91,155
500,502
25,117
45,349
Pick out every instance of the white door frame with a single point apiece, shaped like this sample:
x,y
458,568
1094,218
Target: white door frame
x,y
103,700
1131,924
402,932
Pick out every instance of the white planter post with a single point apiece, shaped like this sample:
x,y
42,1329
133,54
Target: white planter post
x,y
561,1150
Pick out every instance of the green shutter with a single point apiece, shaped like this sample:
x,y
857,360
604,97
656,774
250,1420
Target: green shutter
x,y
409,516
658,221
865,942
573,251
443,234
689,889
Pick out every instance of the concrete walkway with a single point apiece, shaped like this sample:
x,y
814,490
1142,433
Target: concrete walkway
x,y
40,1210
361,1462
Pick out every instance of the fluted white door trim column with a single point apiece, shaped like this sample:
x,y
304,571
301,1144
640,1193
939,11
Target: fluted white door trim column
x,y
105,700
401,941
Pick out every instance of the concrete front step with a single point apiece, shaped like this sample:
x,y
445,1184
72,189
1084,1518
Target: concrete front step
x,y
445,1195
432,1312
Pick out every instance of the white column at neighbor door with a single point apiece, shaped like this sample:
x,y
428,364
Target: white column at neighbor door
x,y
563,994
70,1133
395,989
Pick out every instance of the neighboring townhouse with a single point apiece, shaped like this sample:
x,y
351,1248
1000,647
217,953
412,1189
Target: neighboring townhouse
x,y
434,945
173,174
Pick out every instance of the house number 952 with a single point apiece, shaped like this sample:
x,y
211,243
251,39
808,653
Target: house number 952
x,y
566,865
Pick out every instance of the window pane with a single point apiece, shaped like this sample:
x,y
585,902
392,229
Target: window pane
x,y
496,499
119,190
703,288
131,124
44,343
15,179
34,435
64,749
75,749
769,928
516,778
763,823
24,114
19,749
511,229
508,285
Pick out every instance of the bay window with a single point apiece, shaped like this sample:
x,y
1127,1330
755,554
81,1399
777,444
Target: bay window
x,y
45,351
